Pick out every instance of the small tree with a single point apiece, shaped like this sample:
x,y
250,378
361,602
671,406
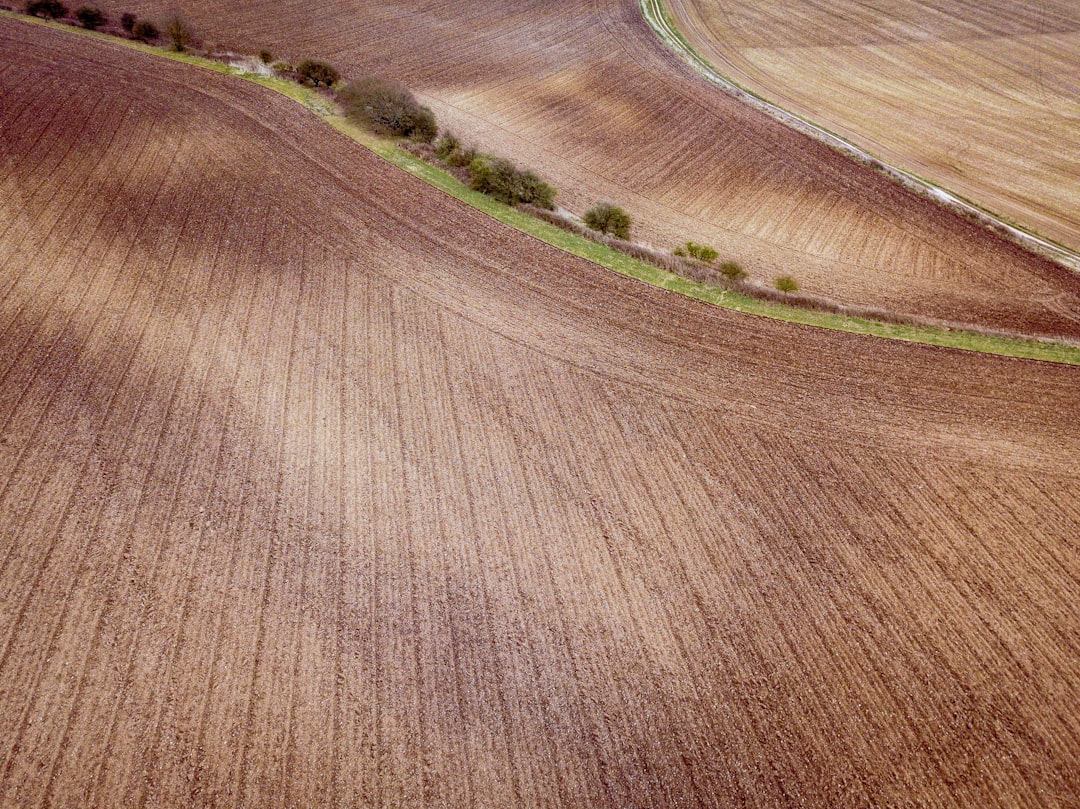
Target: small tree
x,y
315,72
785,283
179,32
50,9
145,31
608,218
732,270
266,57
127,21
90,17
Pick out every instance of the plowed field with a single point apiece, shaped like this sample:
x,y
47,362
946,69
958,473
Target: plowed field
x,y
319,488
584,92
980,97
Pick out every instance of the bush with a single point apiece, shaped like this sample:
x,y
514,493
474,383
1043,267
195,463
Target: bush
x,y
145,31
446,145
461,157
785,283
732,271
283,68
534,191
266,57
127,21
90,17
387,107
699,251
180,33
501,179
315,72
52,9
608,218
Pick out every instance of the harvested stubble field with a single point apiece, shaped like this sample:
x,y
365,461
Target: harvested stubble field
x,y
979,97
320,488
586,94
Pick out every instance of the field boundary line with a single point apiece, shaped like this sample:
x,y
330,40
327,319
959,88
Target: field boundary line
x,y
658,19
944,336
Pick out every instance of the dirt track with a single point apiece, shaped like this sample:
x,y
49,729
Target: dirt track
x,y
319,488
583,91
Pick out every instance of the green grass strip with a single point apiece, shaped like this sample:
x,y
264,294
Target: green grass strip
x,y
598,253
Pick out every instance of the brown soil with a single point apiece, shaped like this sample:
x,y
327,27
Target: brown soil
x,y
585,93
319,488
978,97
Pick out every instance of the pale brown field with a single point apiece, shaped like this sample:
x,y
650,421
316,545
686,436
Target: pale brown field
x,y
585,93
983,98
319,488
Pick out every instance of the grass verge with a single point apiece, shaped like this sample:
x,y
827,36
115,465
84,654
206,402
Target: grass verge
x,y
592,251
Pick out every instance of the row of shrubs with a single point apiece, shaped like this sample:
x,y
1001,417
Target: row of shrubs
x,y
729,269
178,31
389,108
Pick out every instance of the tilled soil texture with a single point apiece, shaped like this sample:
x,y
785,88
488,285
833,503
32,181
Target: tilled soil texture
x,y
319,488
585,93
980,97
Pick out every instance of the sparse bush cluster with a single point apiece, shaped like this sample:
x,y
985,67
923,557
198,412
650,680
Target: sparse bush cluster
x,y
701,252
387,108
495,176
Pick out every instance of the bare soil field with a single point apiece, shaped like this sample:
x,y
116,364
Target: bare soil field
x,y
586,94
981,98
319,488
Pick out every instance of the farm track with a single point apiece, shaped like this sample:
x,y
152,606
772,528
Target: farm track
x,y
585,93
318,487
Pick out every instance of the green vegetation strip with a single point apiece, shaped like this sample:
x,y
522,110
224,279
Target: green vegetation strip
x,y
598,253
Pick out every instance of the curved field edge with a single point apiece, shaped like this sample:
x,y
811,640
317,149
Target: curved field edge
x,y
667,29
387,149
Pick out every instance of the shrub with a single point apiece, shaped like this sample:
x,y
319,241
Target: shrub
x,y
179,32
387,107
501,179
266,57
699,251
446,145
785,283
90,17
145,31
461,157
127,21
52,9
732,270
494,177
315,72
283,68
608,218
